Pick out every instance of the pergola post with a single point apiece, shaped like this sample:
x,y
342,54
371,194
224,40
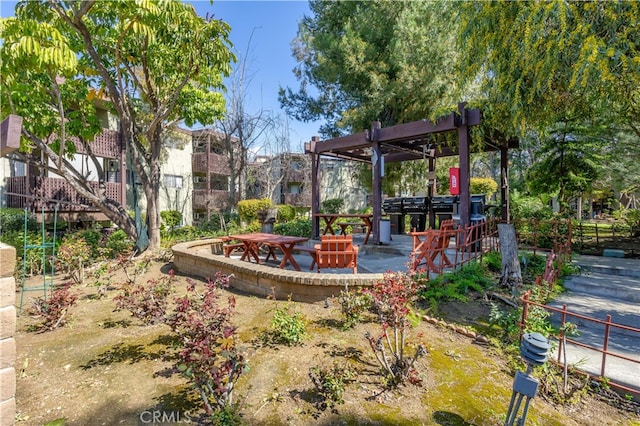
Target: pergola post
x,y
464,141
310,148
431,188
377,165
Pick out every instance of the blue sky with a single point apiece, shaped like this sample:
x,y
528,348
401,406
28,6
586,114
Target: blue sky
x,y
274,25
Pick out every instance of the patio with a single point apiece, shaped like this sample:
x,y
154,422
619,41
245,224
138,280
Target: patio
x,y
197,258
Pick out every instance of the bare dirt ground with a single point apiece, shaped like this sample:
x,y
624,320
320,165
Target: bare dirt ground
x,y
105,368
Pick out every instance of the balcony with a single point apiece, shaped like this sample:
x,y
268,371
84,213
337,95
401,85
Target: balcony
x,y
53,189
215,163
298,200
212,200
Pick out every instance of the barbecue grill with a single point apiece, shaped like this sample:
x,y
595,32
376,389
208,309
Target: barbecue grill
x,y
416,208
392,206
444,206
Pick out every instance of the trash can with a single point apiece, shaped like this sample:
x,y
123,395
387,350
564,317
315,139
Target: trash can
x,y
397,223
385,231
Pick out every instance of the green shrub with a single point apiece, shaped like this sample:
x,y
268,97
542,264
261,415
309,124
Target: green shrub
x,y
74,255
333,205
330,382
216,224
171,218
288,326
14,239
302,212
32,262
353,304
493,261
13,220
286,212
526,207
248,209
94,241
483,185
296,228
454,285
632,218
117,243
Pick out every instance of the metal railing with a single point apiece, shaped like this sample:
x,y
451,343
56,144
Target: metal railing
x,y
604,349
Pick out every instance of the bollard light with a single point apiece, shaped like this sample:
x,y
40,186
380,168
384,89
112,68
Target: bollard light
x,y
534,350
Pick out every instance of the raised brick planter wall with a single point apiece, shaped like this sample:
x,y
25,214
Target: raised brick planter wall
x,y
195,258
7,333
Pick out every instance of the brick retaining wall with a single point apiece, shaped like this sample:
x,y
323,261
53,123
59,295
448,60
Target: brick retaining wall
x,y
7,333
196,258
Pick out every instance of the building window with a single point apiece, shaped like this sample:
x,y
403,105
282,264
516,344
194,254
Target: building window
x,y
199,145
173,181
295,188
199,182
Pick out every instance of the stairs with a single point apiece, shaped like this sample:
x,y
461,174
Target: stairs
x,y
604,286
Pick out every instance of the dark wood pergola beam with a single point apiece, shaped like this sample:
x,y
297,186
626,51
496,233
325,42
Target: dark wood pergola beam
x,y
423,128
406,142
343,143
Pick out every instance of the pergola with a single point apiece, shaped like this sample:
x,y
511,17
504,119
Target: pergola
x,y
407,142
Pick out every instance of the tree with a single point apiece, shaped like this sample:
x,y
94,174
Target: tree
x,y
569,162
386,61
154,63
241,129
566,72
543,63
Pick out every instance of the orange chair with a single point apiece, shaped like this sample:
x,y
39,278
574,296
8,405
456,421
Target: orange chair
x,y
337,251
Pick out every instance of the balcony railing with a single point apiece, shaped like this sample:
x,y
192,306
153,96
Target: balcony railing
x,y
36,191
301,200
216,163
211,200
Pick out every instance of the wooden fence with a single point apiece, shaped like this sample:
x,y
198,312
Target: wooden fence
x,y
594,237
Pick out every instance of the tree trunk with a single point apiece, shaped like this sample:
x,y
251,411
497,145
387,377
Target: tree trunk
x,y
511,273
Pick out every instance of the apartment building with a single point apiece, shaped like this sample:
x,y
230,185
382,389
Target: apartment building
x,y
27,186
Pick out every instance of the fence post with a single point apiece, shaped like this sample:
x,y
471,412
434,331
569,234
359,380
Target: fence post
x,y
563,319
605,346
570,232
525,311
7,333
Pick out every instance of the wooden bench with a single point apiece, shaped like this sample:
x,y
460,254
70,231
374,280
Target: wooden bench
x,y
344,227
229,246
310,250
336,251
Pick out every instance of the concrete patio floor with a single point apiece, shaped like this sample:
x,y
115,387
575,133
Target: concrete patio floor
x,y
372,258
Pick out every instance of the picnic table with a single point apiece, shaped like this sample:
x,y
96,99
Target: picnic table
x,y
331,218
253,242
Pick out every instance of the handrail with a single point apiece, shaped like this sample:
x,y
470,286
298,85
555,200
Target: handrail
x,y
604,350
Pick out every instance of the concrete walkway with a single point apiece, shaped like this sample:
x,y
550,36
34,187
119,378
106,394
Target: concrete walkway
x,y
605,286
